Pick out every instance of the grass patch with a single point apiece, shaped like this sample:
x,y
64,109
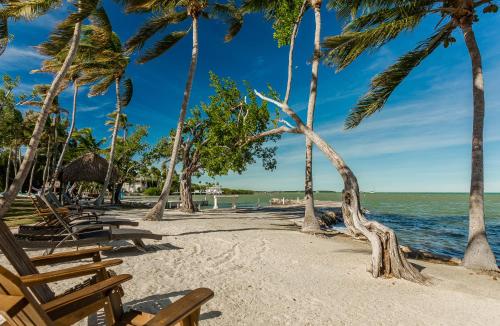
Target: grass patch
x,y
20,213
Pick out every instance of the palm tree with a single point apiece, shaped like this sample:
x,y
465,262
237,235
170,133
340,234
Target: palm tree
x,y
123,123
106,67
86,142
287,15
67,32
53,65
174,12
381,22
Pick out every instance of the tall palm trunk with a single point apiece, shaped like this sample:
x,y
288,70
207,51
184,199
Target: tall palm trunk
x,y
70,133
47,164
156,213
295,31
15,254
109,171
7,173
478,254
310,221
32,174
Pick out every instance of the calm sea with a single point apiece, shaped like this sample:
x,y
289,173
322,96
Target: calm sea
x,y
434,222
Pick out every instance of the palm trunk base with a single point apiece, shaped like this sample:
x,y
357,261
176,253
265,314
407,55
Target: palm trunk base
x,y
156,213
479,256
311,223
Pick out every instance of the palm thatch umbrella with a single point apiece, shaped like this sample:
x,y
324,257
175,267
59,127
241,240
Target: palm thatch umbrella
x,y
89,167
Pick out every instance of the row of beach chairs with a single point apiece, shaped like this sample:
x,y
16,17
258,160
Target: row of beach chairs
x,y
65,226
29,300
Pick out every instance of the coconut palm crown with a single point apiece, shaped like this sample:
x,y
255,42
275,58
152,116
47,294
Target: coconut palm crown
x,y
171,12
381,21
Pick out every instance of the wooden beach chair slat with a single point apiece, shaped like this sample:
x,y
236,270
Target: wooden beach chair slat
x,y
71,272
19,307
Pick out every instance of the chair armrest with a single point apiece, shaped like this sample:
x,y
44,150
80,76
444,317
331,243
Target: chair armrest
x,y
100,289
11,304
180,309
67,273
67,256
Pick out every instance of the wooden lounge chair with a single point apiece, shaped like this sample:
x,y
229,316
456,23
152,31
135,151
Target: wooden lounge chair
x,y
19,307
52,215
82,235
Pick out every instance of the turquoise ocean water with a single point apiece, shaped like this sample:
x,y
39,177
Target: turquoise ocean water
x,y
434,222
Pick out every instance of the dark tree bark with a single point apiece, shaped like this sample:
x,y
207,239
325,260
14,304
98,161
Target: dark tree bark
x,y
186,195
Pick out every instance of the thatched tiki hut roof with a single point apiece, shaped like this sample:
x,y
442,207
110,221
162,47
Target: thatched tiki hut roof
x,y
89,167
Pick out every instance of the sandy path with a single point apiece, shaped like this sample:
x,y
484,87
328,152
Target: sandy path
x,y
264,272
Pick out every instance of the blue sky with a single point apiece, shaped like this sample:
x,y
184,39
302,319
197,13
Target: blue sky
x,y
419,142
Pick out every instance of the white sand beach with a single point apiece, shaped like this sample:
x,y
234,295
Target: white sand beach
x,y
265,272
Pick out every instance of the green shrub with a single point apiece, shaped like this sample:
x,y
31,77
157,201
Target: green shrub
x,y
152,191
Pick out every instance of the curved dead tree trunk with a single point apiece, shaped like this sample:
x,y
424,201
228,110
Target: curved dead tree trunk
x,y
186,195
387,258
478,254
156,213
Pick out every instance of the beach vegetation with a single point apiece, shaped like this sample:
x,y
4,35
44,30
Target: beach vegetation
x,y
217,137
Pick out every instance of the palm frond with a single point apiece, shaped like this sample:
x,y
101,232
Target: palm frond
x,y
142,6
153,26
100,19
351,8
4,34
61,36
19,9
127,92
161,46
343,49
231,15
386,82
102,86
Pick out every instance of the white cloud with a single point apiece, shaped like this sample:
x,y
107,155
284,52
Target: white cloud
x,y
16,58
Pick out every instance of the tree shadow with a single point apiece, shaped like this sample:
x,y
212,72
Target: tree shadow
x,y
128,250
231,230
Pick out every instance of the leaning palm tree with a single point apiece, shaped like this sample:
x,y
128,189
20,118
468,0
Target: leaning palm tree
x,y
67,32
382,21
166,13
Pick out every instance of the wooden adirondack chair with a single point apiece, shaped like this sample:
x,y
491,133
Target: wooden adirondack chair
x,y
19,307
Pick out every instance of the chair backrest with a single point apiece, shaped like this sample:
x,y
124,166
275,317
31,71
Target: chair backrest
x,y
52,198
59,218
17,305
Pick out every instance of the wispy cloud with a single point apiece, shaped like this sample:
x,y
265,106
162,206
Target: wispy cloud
x,y
16,58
